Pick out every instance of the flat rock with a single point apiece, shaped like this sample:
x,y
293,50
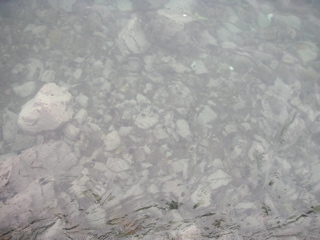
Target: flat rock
x,y
28,182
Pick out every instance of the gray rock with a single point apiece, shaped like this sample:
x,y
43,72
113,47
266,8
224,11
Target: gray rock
x,y
199,67
48,76
22,142
263,20
169,28
33,176
71,131
11,135
9,9
207,115
81,116
10,127
124,5
25,89
65,5
82,100
308,53
288,20
132,39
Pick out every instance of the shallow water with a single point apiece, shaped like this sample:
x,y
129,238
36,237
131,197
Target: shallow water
x,y
191,120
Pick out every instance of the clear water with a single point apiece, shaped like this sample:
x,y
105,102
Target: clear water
x,y
202,120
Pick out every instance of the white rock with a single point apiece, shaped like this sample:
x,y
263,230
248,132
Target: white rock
x,y
25,89
201,196
175,188
94,127
180,166
207,115
53,231
96,215
81,116
132,38
112,141
146,119
199,68
218,179
77,74
189,233
48,110
117,165
124,131
82,100
183,128
141,99
160,133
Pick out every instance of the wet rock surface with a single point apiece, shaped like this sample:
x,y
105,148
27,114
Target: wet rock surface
x,y
47,111
159,120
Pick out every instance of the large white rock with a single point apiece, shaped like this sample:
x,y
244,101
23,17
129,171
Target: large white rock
x,y
48,110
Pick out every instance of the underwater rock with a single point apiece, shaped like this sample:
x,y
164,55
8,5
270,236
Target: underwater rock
x,y
25,89
71,131
146,119
308,52
169,28
132,39
23,187
263,20
183,128
112,141
48,110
